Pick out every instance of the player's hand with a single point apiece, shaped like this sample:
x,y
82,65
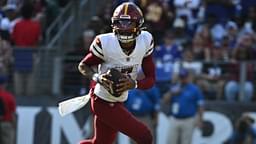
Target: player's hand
x,y
104,80
125,84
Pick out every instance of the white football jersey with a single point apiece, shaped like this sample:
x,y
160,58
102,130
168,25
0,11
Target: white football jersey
x,y
107,47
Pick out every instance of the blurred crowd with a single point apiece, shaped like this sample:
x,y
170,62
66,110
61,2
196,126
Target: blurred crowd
x,y
43,11
22,28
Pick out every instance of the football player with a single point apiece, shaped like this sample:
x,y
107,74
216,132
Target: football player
x,y
127,49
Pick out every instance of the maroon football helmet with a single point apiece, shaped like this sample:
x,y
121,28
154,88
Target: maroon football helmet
x,y
127,21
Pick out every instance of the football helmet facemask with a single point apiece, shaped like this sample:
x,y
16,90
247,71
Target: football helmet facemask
x,y
127,21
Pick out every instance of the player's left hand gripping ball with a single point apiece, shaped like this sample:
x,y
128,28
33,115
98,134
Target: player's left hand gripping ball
x,y
125,83
110,81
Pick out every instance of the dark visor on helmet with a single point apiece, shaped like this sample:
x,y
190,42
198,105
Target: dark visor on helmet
x,y
124,23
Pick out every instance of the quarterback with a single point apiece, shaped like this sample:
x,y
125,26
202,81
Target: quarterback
x,y
127,49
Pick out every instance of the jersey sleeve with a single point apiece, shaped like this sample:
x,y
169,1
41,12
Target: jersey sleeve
x,y
148,68
96,48
150,45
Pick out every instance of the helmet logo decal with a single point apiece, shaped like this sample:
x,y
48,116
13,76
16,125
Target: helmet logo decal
x,y
125,9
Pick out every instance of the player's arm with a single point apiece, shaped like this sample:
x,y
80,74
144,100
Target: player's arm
x,y
85,66
148,68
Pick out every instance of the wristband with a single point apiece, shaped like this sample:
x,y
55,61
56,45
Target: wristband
x,y
95,77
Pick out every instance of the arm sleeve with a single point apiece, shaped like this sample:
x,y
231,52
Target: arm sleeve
x,y
150,46
148,68
95,55
96,48
91,60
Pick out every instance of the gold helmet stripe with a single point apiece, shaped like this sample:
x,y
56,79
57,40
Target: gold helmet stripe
x,y
125,9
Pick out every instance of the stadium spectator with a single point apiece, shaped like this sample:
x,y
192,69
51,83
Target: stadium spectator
x,y
244,50
217,32
39,12
145,105
26,32
246,29
188,62
215,28
165,55
8,21
180,31
17,3
212,80
188,9
25,36
186,102
232,33
200,51
232,87
39,6
225,49
219,51
5,57
250,17
8,119
156,19
203,32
